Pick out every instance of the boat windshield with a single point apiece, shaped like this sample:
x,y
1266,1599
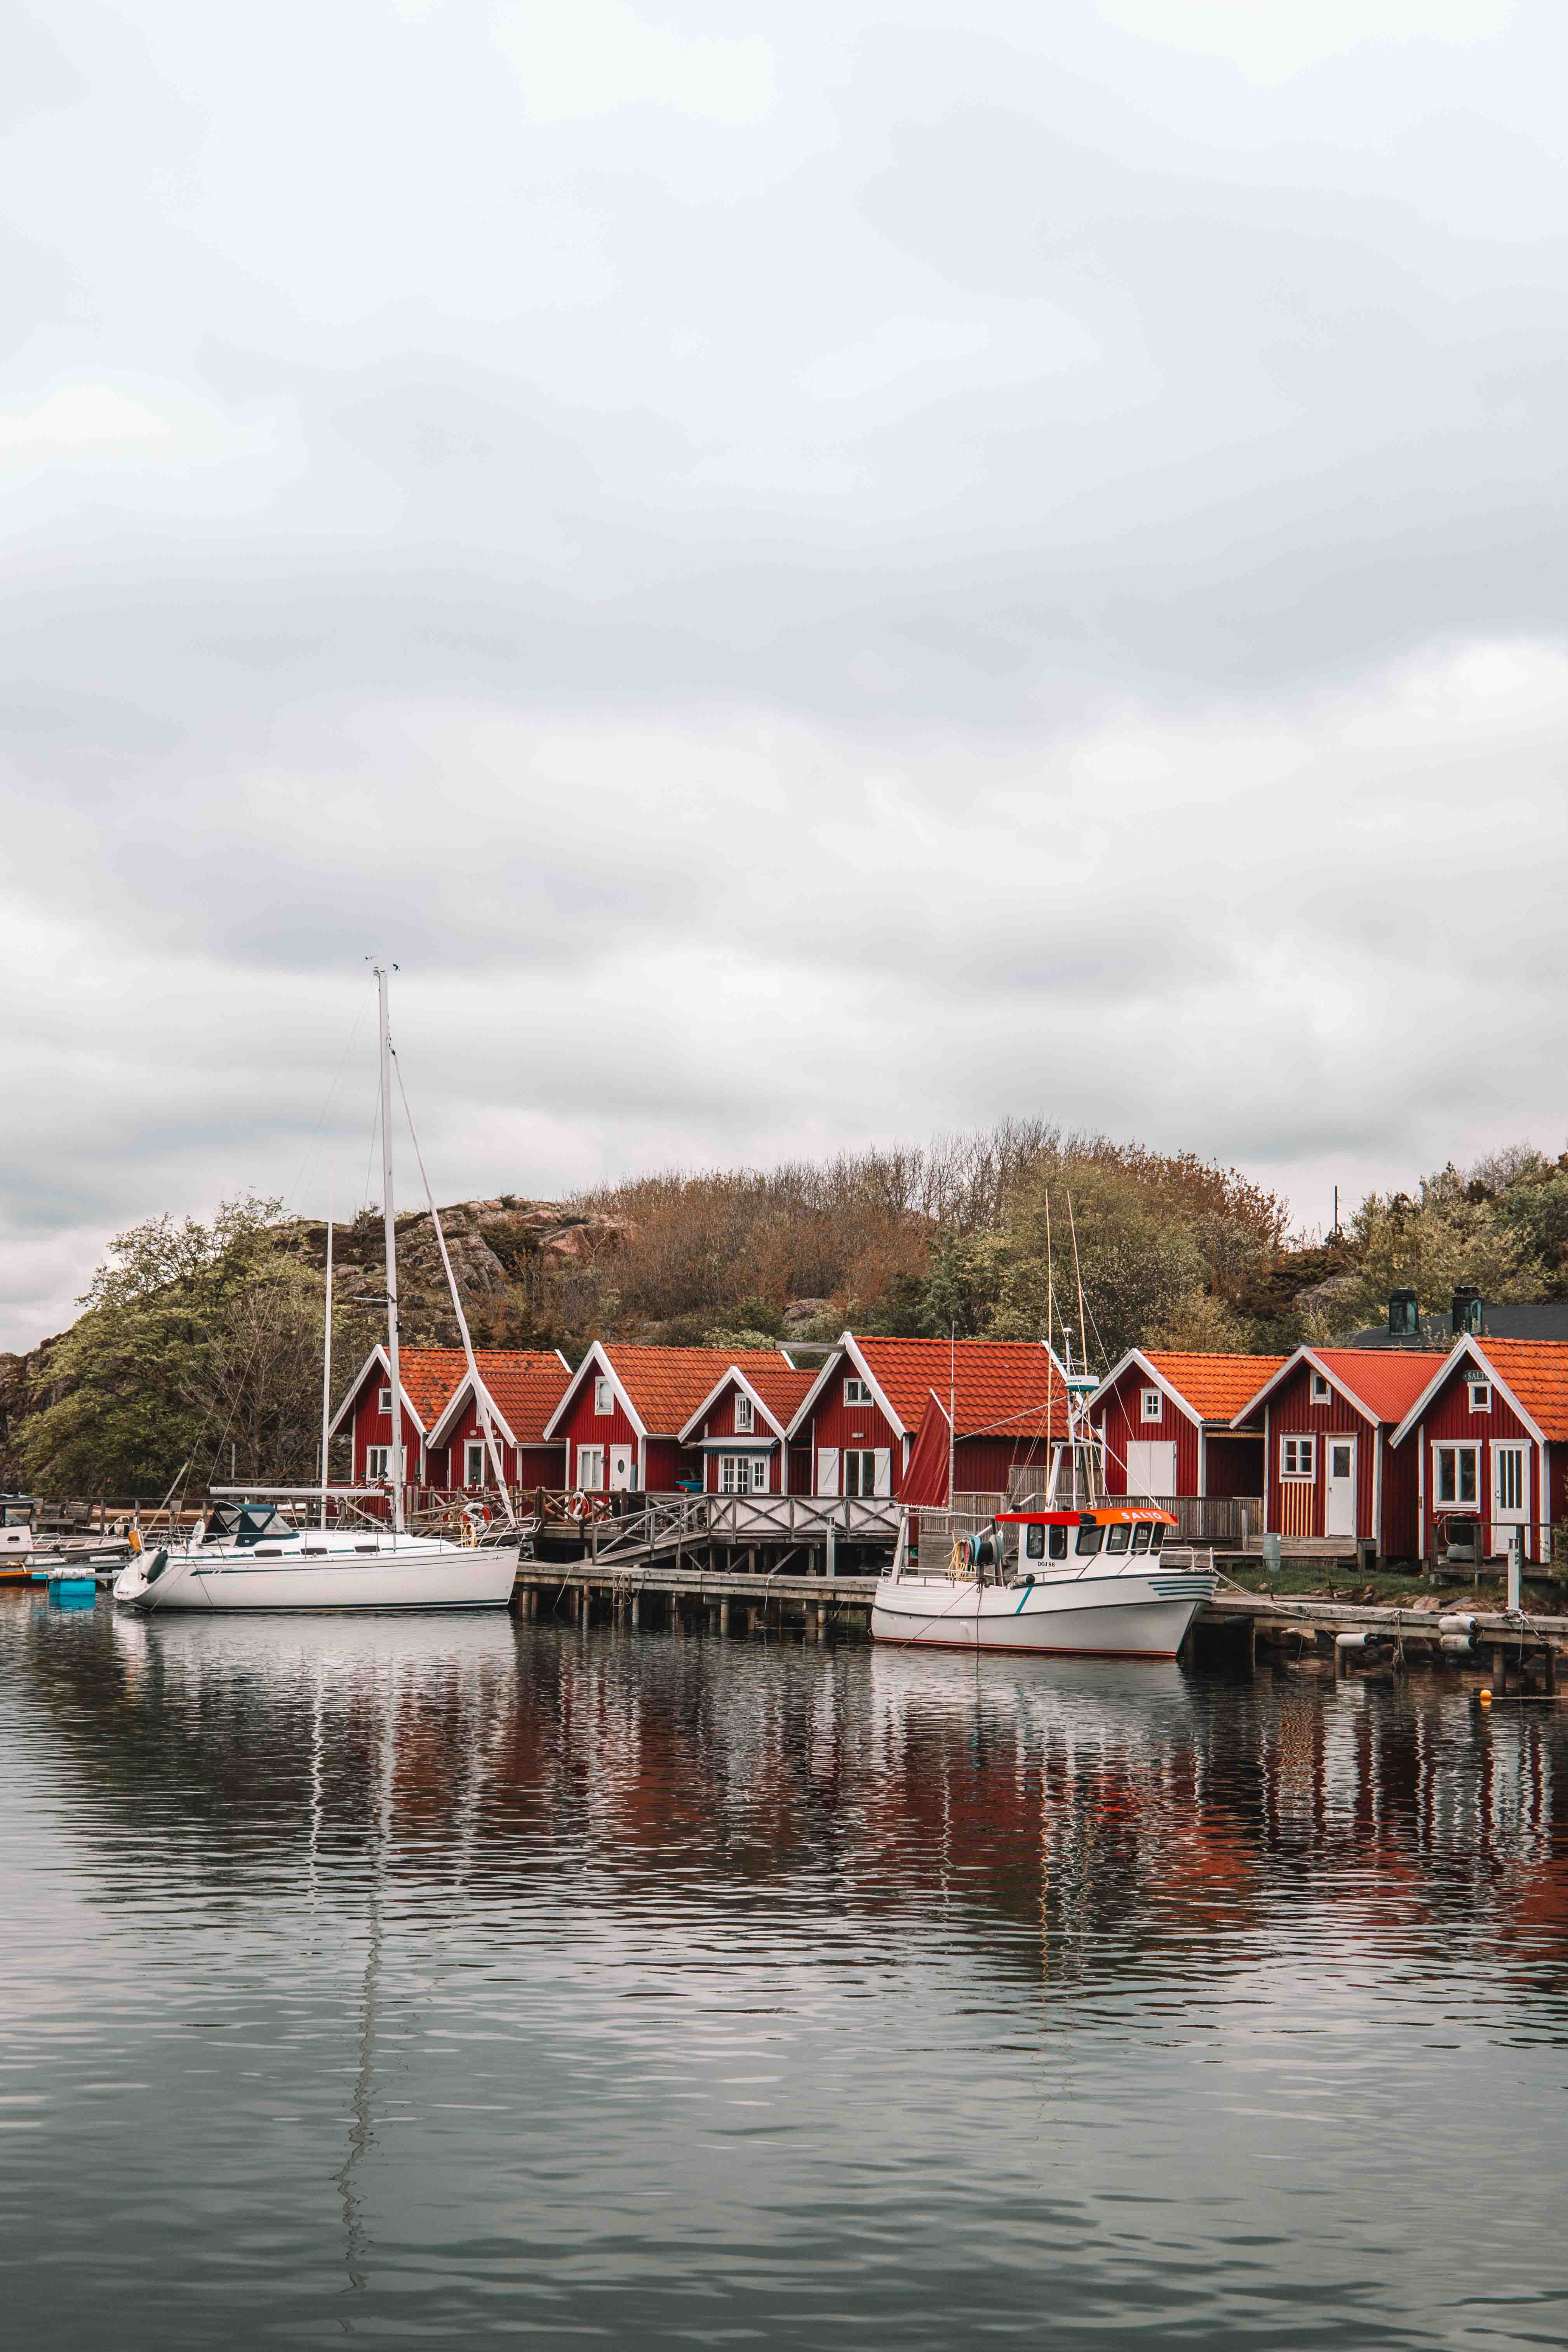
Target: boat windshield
x,y
245,1523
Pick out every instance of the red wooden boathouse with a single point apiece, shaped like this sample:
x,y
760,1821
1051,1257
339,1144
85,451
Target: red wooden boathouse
x,y
1166,1423
1331,1469
875,1399
1488,1441
430,1379
524,1393
625,1408
742,1428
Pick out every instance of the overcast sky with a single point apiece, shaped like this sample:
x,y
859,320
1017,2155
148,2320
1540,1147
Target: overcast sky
x,y
815,573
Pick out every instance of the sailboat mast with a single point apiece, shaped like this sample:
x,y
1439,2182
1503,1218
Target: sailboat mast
x,y
389,1222
327,1360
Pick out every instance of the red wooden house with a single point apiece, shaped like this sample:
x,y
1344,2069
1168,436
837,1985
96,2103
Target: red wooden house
x,y
523,1391
741,1428
1488,1438
1166,1423
430,1379
625,1408
1332,1468
878,1403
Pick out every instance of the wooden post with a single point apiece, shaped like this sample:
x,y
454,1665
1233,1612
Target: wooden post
x,y
636,1611
724,1616
821,1624
1249,1651
1500,1667
1549,1671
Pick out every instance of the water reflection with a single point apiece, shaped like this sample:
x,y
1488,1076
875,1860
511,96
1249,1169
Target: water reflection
x,y
422,1978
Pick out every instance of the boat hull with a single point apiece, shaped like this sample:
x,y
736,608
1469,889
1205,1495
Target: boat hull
x,y
412,1576
1121,1616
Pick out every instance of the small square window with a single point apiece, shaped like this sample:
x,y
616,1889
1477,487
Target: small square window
x,y
743,1416
1151,1405
1480,1396
857,1393
377,1461
604,1397
1320,1390
383,1401
1298,1458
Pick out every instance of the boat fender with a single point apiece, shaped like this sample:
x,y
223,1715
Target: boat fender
x,y
1458,1646
1468,1626
470,1534
1371,1639
134,1540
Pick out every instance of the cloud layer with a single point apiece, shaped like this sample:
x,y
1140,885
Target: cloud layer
x,y
812,574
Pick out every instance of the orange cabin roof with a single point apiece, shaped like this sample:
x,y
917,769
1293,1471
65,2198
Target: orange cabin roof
x,y
432,1376
526,1388
667,1384
1386,1380
1535,1372
1217,1387
1001,1387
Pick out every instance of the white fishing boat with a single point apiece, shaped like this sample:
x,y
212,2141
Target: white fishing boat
x,y
246,1552
1090,1583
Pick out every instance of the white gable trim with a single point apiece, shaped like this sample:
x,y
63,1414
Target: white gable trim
x,y
1468,1346
716,1391
441,1433
597,1363
848,1351
1151,1372
377,1358
1372,1419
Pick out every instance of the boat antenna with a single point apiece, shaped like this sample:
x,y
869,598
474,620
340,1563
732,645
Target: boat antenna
x,y
327,1353
390,1226
481,1394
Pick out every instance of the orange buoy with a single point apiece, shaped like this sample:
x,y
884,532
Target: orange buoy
x,y
1486,1698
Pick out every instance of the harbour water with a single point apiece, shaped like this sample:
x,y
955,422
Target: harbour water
x,y
438,1981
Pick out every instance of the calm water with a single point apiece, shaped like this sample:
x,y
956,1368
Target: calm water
x,y
435,1982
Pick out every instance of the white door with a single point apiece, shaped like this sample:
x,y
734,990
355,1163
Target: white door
x,y
621,1458
1339,1504
1510,1488
1151,1467
827,1469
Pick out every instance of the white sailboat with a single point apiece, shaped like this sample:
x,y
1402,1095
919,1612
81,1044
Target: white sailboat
x,y
246,1554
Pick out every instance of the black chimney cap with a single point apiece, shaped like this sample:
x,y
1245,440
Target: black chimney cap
x,y
1404,1314
1464,1312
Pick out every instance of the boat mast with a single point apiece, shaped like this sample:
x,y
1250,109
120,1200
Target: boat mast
x,y
1052,1460
327,1358
389,1223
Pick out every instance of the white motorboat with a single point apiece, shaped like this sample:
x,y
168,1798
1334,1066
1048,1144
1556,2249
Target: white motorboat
x,y
1079,1583
246,1554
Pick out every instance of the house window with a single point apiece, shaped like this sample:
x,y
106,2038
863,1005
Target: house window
x,y
1151,1406
743,1474
1298,1458
861,1472
1320,1388
604,1397
743,1419
1480,1396
474,1463
383,1401
591,1469
1509,1477
378,1461
856,1391
1455,1482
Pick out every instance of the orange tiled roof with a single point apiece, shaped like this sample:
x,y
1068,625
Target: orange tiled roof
x,y
431,1376
1386,1380
782,1389
526,1388
667,1384
1217,1387
1001,1387
1535,1372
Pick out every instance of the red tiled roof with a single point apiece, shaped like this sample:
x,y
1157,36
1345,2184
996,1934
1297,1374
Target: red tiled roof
x,y
1386,1380
667,1384
782,1389
1217,1387
1001,1387
1535,1372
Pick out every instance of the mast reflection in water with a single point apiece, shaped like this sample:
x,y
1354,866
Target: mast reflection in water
x,y
440,1980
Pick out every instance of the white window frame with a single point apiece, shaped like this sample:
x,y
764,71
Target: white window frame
x,y
1480,1396
743,1474
1322,1389
856,1390
1456,1501
1297,1459
604,1398
1151,1406
378,1461
867,1484
745,1415
473,1449
383,1401
591,1459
